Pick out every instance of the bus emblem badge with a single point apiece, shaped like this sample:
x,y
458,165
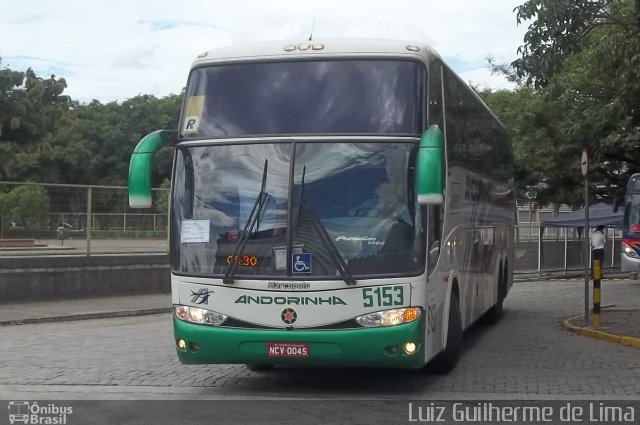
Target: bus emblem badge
x,y
289,316
201,296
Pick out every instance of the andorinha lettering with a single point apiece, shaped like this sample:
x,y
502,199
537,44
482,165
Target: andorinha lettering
x,y
264,299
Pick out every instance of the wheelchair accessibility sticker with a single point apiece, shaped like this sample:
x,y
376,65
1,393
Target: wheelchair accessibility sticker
x,y
301,263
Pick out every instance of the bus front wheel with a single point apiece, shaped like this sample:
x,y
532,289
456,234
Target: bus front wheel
x,y
446,361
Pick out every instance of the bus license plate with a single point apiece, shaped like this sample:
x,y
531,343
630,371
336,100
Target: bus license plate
x,y
288,349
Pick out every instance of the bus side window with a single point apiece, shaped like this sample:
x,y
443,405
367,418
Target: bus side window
x,y
434,224
435,116
434,110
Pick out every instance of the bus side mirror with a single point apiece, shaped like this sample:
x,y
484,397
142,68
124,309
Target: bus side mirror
x,y
430,167
140,167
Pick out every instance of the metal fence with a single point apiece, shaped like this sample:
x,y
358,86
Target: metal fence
x,y
78,219
551,250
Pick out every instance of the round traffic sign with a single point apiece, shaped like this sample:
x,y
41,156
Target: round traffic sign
x,y
584,163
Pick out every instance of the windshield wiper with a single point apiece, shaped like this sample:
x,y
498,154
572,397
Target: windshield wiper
x,y
248,228
328,243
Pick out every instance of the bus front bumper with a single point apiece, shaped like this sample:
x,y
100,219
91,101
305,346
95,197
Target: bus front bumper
x,y
365,347
629,264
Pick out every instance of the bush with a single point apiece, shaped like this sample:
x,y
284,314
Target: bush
x,y
27,205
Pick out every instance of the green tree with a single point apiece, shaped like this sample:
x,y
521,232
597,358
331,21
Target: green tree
x,y
31,109
96,142
581,58
560,28
162,205
27,205
112,131
9,82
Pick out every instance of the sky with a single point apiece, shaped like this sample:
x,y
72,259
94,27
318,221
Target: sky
x,y
115,49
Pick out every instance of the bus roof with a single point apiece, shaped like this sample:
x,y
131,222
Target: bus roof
x,y
633,185
309,49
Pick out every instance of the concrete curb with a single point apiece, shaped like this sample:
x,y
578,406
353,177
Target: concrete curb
x,y
624,340
87,316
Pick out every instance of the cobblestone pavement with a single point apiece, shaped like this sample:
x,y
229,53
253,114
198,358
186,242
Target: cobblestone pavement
x,y
619,317
624,323
525,356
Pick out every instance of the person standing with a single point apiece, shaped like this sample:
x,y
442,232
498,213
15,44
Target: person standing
x,y
597,244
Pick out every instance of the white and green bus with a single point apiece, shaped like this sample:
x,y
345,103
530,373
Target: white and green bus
x,y
336,203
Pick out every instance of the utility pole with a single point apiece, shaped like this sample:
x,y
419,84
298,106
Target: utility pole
x,y
584,168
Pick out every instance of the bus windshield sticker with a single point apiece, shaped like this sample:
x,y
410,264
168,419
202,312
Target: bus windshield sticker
x,y
301,263
192,114
194,231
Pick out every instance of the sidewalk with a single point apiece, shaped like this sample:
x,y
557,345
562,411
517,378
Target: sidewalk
x,y
88,308
619,313
620,326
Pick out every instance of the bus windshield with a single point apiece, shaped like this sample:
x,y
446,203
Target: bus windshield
x,y
360,194
305,97
632,219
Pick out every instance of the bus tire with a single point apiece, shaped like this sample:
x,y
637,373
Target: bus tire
x,y
259,367
447,359
493,315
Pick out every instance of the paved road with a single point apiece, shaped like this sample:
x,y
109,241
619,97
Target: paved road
x,y
526,356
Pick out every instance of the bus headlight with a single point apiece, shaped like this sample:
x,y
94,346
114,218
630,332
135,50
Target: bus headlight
x,y
199,315
629,251
389,317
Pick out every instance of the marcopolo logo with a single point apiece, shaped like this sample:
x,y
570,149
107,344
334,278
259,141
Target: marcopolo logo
x,y
32,413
